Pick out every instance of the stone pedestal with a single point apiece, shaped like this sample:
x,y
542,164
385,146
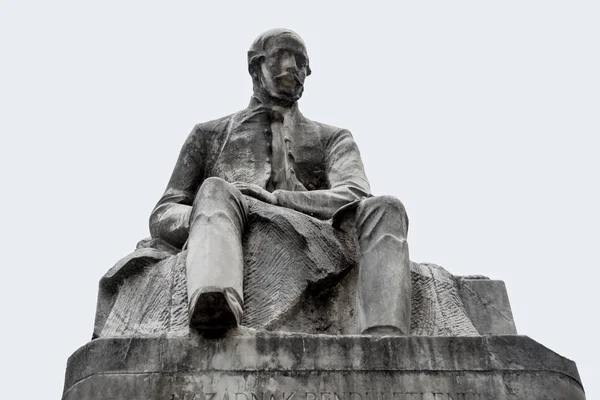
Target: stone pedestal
x,y
276,366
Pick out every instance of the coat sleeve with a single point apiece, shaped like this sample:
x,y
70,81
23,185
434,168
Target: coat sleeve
x,y
170,218
347,181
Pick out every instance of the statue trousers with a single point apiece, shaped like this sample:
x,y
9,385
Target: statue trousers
x,y
215,258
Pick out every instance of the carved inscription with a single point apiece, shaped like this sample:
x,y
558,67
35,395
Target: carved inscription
x,y
327,396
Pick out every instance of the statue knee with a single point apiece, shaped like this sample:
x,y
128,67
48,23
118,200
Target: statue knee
x,y
217,198
216,188
382,211
388,203
385,205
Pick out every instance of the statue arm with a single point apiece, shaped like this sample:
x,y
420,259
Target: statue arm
x,y
170,218
347,181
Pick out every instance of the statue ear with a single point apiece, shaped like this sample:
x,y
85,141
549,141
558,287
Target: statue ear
x,y
254,61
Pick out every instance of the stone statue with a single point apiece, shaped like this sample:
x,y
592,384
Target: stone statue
x,y
269,257
268,224
272,153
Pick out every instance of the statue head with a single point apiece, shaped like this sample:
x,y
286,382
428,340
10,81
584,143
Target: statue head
x,y
278,64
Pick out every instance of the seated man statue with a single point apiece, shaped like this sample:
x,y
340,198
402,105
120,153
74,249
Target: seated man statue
x,y
272,153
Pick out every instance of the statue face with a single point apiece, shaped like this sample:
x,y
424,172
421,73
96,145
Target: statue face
x,y
284,68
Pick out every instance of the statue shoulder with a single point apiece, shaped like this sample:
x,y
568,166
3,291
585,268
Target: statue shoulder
x,y
206,134
214,126
328,132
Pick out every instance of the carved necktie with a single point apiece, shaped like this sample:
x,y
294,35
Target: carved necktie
x,y
283,175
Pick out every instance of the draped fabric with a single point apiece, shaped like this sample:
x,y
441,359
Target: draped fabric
x,y
304,280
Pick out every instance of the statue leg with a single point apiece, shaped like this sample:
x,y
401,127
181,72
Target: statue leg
x,y
215,263
384,281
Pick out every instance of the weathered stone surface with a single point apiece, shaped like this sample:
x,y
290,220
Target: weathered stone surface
x,y
244,366
486,302
268,224
303,281
270,152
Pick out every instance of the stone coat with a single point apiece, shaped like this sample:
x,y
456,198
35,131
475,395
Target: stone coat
x,y
238,148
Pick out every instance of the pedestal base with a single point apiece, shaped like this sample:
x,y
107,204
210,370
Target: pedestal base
x,y
274,366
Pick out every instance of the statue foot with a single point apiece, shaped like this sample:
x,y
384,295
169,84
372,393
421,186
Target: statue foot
x,y
383,330
214,309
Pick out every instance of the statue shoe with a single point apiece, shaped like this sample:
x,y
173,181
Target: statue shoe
x,y
214,308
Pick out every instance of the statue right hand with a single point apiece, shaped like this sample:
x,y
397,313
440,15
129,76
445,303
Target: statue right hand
x,y
255,191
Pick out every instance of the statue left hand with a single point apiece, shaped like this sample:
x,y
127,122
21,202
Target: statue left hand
x,y
256,192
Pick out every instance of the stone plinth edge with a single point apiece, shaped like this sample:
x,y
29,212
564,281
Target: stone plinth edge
x,y
273,366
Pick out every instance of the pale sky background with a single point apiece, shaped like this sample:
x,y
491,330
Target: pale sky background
x,y
481,116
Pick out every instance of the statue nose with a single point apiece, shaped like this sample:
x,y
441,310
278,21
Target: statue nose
x,y
289,64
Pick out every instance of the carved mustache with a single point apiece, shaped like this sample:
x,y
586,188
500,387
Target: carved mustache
x,y
290,77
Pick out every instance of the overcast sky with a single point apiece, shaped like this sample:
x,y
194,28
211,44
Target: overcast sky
x,y
482,117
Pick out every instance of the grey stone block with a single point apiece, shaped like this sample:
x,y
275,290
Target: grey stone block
x,y
487,305
320,367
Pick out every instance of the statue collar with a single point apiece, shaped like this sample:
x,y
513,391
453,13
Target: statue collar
x,y
258,103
